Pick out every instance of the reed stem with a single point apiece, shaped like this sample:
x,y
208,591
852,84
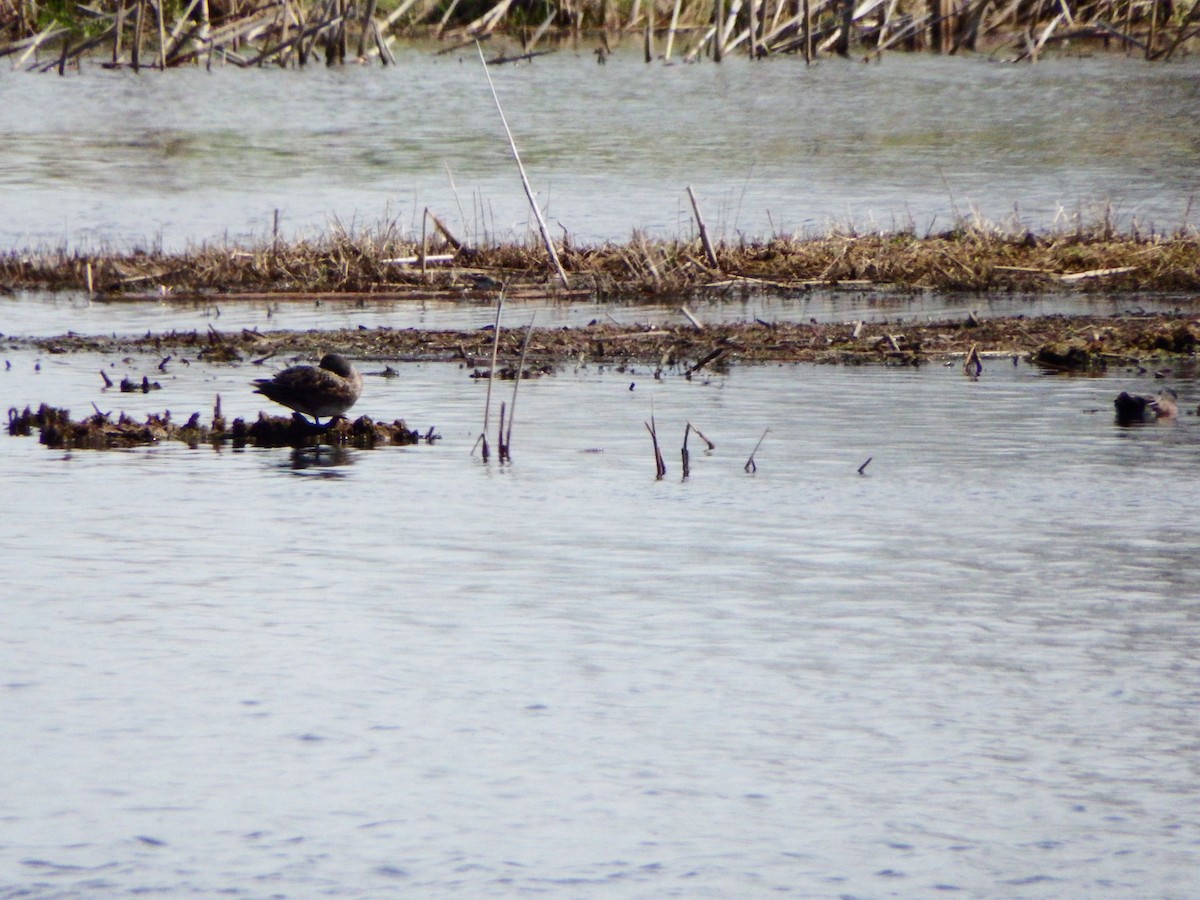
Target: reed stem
x,y
537,213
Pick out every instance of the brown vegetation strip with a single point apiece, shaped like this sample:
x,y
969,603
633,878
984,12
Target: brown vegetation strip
x,y
966,259
1056,341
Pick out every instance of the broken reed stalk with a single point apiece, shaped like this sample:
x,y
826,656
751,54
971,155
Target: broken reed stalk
x,y
671,31
807,34
718,45
487,404
708,247
537,213
751,466
973,364
660,467
862,468
700,434
162,37
424,246
502,454
512,412
687,469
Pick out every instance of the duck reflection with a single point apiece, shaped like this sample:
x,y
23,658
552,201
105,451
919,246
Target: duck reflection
x,y
320,459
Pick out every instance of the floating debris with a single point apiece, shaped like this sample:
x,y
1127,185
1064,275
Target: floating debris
x,y
56,429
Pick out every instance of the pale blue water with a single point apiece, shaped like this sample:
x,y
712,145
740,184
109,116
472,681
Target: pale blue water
x,y
971,670
115,159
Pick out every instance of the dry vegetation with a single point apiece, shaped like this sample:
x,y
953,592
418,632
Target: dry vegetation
x,y
49,35
381,265
382,262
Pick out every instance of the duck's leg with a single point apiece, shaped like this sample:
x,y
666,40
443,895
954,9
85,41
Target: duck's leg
x,y
313,424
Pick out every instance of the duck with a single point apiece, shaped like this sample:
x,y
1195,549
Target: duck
x,y
327,389
1141,408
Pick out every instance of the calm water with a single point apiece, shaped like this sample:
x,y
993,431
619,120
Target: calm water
x,y
30,313
116,159
973,670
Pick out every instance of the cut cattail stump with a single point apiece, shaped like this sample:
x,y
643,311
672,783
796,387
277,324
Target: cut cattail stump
x,y
687,469
751,466
108,382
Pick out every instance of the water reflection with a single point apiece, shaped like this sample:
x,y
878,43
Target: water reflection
x,y
320,460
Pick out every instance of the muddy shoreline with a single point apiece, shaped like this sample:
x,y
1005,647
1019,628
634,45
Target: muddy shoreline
x,y
1076,343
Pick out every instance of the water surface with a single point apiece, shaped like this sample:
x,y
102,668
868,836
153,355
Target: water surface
x,y
117,159
971,669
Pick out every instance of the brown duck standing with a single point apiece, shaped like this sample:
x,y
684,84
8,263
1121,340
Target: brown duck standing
x,y
327,389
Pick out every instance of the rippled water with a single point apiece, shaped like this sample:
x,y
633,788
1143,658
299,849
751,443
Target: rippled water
x,y
972,669
29,314
112,158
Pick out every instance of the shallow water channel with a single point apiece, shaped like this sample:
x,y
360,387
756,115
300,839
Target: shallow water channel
x,y
100,159
973,668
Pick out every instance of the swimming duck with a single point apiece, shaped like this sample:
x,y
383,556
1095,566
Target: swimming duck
x,y
327,389
1141,408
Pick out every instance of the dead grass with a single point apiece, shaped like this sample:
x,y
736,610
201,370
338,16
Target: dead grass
x,y
966,259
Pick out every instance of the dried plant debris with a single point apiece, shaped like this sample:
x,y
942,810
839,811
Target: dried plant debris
x,y
1056,341
100,431
379,261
